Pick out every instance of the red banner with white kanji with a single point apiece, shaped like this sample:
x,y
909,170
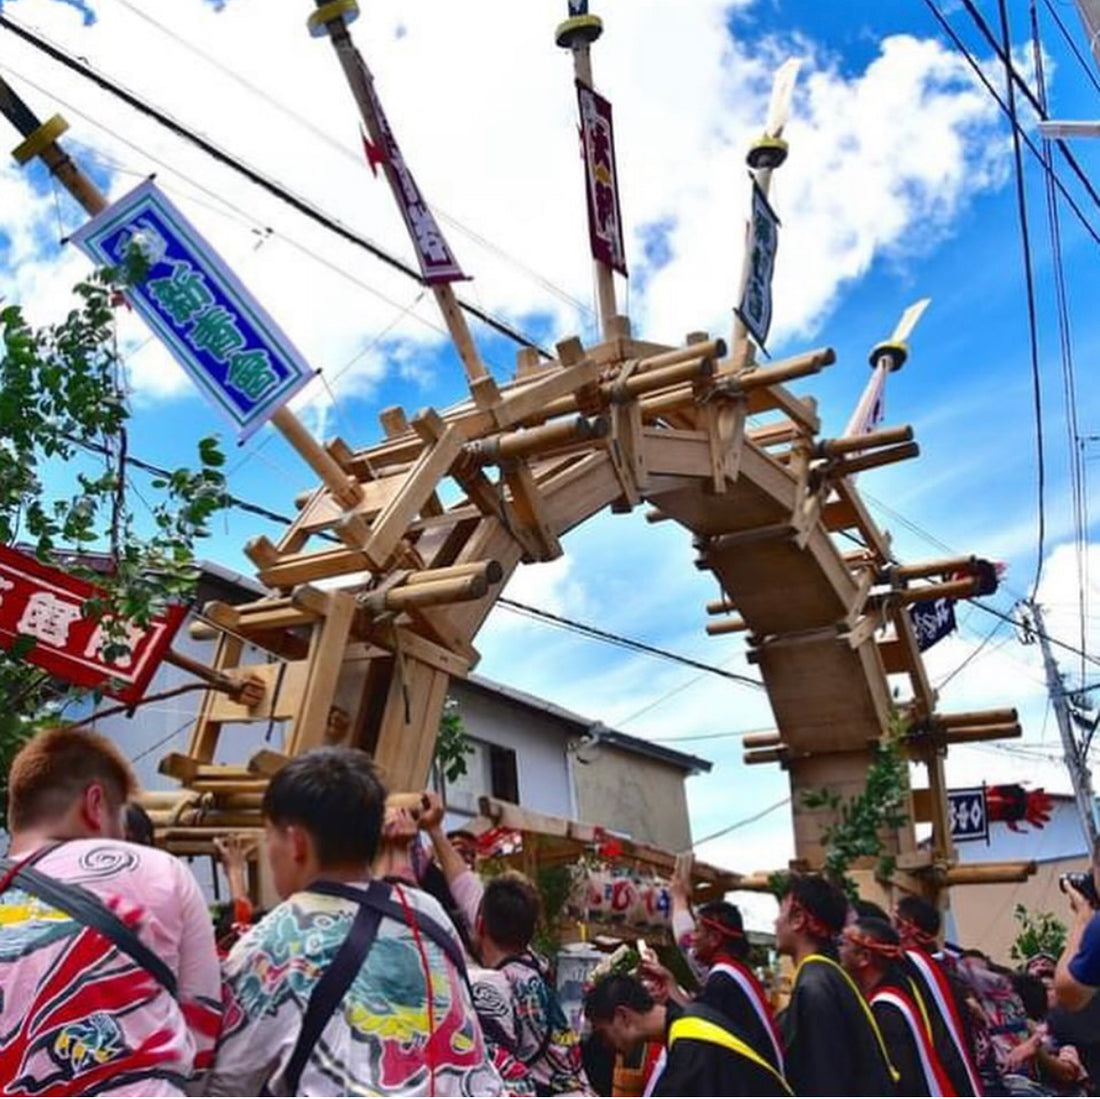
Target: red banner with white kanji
x,y
45,604
437,261
605,223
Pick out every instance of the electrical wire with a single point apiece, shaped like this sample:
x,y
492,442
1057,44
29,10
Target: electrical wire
x,y
971,656
352,155
1029,283
595,633
980,73
1071,42
1078,482
742,823
1038,633
253,175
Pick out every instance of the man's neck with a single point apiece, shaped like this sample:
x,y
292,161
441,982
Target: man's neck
x,y
30,840
492,954
353,874
654,1023
805,947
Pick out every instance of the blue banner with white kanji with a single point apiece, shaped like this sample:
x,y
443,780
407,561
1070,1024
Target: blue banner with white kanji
x,y
228,344
933,620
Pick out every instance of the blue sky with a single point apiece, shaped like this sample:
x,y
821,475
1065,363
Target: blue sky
x,y
899,186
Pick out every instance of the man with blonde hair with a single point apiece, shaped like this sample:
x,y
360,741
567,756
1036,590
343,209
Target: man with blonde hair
x,y
107,964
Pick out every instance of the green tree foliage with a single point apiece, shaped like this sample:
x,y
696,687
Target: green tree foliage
x,y
452,746
1040,933
63,490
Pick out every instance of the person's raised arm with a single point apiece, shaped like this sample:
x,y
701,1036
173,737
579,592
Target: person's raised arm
x,y
1077,975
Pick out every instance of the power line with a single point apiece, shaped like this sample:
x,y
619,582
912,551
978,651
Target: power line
x,y
1013,79
1038,633
741,823
1071,42
254,176
1078,484
624,642
978,71
1029,282
353,156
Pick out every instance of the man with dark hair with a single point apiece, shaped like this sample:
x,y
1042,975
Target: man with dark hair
x,y
917,923
719,946
108,975
350,985
705,1054
870,951
832,1041
527,1022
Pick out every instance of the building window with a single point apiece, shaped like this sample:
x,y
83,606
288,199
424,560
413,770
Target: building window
x,y
503,775
490,769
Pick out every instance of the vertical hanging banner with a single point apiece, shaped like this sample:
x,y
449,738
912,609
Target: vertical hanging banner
x,y
46,605
755,310
933,620
222,337
605,223
437,261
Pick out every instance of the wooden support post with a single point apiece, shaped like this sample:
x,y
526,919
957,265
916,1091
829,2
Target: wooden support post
x,y
389,527
326,658
530,508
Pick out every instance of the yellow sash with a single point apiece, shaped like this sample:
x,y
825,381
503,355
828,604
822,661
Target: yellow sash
x,y
862,1003
700,1030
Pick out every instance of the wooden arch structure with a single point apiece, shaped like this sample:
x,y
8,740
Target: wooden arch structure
x,y
378,588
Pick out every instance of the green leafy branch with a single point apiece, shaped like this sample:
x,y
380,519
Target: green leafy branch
x,y
861,823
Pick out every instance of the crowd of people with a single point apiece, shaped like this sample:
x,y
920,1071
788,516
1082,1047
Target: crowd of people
x,y
389,967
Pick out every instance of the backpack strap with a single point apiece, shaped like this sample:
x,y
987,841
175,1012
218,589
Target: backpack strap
x,y
89,910
333,984
529,961
378,895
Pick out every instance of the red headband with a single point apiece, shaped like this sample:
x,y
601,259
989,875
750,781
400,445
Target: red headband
x,y
910,930
720,928
818,928
874,946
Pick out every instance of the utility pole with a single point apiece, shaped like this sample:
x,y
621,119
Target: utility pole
x,y
1076,761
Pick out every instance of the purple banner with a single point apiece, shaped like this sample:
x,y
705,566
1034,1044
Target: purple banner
x,y
605,223
437,261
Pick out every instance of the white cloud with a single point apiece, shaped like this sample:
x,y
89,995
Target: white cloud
x,y
881,162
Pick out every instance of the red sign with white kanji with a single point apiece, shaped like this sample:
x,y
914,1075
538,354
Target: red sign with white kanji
x,y
46,604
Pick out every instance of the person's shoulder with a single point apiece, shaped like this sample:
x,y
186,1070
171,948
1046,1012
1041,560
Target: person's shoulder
x,y
110,863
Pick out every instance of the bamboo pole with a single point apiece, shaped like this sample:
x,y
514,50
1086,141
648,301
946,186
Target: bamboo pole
x,y
989,873
731,625
359,79
492,571
943,566
433,593
544,440
761,740
969,734
979,717
604,276
875,459
833,448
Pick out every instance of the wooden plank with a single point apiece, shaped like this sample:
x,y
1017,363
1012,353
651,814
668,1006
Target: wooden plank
x,y
868,528
533,398
677,453
530,508
326,655
420,648
284,684
391,524
802,411
303,568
